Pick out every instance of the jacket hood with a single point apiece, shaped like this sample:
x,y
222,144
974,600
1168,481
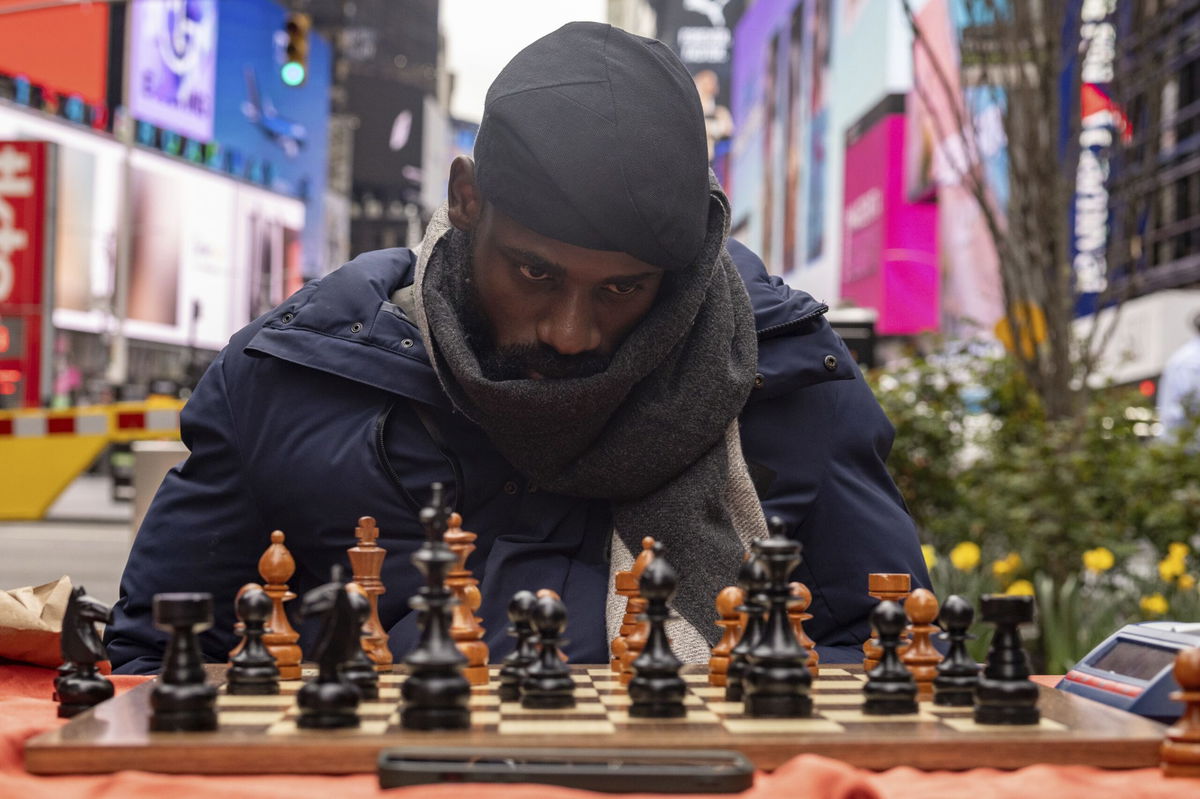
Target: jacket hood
x,y
346,324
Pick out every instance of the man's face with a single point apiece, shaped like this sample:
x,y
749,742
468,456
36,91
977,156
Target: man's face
x,y
550,309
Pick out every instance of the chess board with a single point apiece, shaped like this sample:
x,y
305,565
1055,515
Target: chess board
x,y
258,734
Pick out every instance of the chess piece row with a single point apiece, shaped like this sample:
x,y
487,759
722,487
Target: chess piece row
x,y
366,558
1001,693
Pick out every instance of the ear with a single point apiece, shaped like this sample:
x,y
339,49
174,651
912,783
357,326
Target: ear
x,y
463,198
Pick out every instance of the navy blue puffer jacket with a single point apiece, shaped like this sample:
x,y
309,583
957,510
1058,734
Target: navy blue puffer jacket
x,y
326,409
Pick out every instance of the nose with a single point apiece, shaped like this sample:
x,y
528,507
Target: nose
x,y
569,325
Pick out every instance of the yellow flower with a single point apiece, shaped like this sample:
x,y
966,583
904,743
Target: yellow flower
x,y
1186,582
1005,569
1020,587
1154,605
1177,550
965,556
1098,560
1169,568
930,555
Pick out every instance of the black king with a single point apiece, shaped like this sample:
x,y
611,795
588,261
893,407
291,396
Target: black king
x,y
435,695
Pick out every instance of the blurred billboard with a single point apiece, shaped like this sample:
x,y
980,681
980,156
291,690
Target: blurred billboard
x,y
889,248
779,163
25,194
172,56
700,32
389,139
281,131
208,254
938,155
64,48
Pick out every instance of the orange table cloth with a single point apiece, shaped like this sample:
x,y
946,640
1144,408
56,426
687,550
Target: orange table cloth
x,y
26,709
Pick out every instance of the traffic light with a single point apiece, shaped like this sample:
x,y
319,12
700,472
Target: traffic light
x,y
295,65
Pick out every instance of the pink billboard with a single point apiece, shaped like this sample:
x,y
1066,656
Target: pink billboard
x,y
889,245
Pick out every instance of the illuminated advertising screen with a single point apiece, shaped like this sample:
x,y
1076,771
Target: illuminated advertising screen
x,y
779,163
765,161
23,201
936,149
281,130
209,253
702,36
889,245
267,234
172,65
64,48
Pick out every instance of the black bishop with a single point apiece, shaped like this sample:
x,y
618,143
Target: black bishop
x,y
777,682
753,579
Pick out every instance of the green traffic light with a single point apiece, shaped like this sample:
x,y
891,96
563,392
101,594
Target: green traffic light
x,y
292,73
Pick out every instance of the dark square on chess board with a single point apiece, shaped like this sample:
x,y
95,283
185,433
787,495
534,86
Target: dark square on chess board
x,y
258,734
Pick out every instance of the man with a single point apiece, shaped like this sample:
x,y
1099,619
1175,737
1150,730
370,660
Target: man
x,y
1179,388
577,352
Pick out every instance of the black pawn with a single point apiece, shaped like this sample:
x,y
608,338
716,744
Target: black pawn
x,y
516,664
79,684
358,668
252,670
958,673
181,700
890,689
777,682
753,580
435,695
548,684
656,689
1005,694
329,701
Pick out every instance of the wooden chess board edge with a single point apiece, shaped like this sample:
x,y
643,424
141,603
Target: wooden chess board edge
x,y
1098,736
360,755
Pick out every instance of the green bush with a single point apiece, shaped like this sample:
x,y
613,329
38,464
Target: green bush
x,y
984,471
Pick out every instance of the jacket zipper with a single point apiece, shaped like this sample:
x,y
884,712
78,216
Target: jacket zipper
x,y
381,455
784,327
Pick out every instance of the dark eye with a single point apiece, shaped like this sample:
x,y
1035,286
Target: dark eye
x,y
536,273
623,288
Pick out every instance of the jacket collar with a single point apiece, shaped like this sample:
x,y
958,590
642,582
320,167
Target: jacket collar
x,y
346,324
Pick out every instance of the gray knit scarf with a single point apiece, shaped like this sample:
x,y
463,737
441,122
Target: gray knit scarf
x,y
649,433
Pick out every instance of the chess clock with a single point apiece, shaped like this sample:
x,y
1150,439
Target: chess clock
x,y
1132,669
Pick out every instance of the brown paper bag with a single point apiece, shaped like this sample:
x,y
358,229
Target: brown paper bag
x,y
31,622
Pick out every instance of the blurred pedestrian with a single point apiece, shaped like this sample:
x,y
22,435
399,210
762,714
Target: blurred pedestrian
x,y
1179,387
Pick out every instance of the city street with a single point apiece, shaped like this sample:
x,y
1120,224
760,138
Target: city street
x,y
85,535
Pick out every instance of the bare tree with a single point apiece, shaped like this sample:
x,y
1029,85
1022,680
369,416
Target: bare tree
x,y
1027,54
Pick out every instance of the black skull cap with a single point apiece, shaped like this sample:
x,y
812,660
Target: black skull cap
x,y
595,137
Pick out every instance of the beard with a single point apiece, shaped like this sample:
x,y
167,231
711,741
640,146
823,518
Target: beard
x,y
513,361
519,361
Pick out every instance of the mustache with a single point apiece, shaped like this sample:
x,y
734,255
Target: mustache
x,y
520,361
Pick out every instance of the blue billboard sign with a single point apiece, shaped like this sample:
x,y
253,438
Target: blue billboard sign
x,y
278,133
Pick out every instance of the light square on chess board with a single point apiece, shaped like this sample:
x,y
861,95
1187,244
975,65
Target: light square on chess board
x,y
259,734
